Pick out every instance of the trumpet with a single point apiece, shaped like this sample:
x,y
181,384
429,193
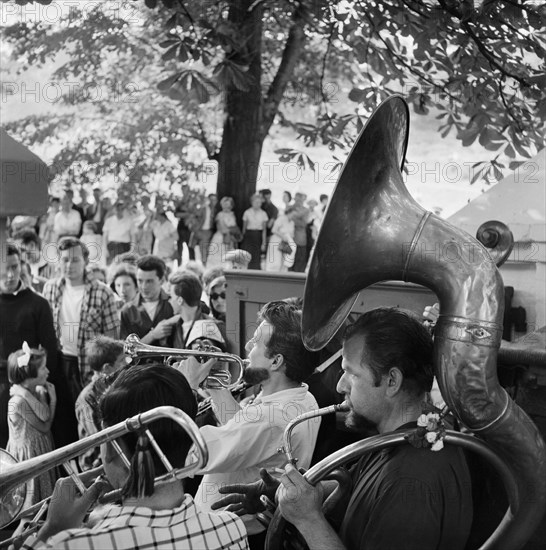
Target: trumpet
x,y
135,349
12,476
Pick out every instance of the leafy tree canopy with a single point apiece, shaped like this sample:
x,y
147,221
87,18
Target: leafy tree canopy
x,y
168,75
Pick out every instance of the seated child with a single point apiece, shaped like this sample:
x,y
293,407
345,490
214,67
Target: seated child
x,y
105,357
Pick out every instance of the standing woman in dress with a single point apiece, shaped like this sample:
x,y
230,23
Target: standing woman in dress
x,y
227,233
31,410
281,232
255,231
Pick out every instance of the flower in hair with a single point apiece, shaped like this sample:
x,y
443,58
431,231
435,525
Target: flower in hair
x,y
430,431
23,360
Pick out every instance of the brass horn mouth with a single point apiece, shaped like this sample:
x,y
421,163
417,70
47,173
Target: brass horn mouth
x,y
377,156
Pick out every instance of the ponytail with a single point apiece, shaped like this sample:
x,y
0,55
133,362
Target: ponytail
x,y
140,482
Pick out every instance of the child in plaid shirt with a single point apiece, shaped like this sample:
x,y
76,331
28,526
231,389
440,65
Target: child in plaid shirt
x,y
105,356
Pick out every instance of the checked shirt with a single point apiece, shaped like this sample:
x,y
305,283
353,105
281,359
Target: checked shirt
x,y
99,314
139,528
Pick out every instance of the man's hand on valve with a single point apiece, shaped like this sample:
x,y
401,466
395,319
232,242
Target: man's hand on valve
x,y
194,371
245,498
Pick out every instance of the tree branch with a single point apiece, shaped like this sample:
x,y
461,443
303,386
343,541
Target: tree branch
x,y
490,57
324,59
508,108
290,56
408,66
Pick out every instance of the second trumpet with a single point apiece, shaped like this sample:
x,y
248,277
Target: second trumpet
x,y
218,378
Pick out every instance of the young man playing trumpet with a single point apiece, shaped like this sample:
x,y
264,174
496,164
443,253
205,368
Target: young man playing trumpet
x,y
152,514
402,497
249,437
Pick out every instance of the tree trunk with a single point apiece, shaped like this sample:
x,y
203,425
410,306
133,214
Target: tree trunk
x,y
242,140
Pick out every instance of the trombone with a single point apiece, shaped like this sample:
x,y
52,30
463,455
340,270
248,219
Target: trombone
x,y
13,476
135,349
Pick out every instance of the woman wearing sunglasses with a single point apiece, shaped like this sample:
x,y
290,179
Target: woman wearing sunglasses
x,y
216,291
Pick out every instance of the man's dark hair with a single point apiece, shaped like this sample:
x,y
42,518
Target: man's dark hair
x,y
103,350
66,243
187,285
322,197
265,192
394,338
27,236
285,338
12,250
152,263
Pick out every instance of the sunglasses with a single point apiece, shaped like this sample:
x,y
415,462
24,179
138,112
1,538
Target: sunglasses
x,y
215,296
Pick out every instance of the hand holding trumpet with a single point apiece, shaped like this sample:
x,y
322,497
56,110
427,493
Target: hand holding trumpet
x,y
194,371
68,507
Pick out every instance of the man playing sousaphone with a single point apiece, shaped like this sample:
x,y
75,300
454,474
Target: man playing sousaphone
x,y
406,497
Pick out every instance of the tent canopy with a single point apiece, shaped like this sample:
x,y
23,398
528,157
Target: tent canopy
x,y
24,179
519,201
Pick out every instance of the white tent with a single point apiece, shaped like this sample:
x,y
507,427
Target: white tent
x,y
519,201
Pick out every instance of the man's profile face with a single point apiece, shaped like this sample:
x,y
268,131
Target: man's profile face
x,y
10,274
149,285
365,399
259,367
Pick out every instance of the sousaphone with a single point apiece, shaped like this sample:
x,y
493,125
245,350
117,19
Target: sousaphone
x,y
374,231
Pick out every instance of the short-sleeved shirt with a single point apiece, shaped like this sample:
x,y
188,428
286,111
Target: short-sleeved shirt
x,y
135,527
410,498
255,219
119,231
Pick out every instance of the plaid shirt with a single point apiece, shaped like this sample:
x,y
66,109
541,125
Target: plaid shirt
x,y
98,315
130,527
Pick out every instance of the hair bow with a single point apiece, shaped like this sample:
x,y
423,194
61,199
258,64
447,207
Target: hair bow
x,y
22,360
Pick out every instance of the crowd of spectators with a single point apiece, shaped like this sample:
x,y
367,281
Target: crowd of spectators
x,y
194,227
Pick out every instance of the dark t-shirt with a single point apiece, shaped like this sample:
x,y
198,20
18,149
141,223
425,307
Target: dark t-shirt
x,y
411,499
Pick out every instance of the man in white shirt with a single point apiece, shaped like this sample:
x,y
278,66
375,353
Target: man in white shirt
x,y
82,309
118,232
248,437
68,221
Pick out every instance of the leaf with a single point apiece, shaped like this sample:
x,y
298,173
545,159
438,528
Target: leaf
x,y
168,42
171,22
170,53
509,151
521,149
358,95
515,164
200,90
150,3
183,53
476,175
168,82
